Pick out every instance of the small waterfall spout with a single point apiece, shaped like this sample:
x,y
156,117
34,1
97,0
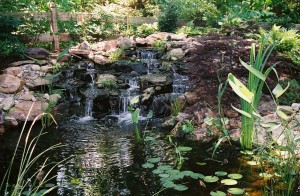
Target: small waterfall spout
x,y
149,58
180,83
90,95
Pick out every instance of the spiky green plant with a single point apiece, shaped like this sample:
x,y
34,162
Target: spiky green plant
x,y
251,94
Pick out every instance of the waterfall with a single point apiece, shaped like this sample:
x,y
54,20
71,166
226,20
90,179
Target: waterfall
x,y
149,58
90,95
180,83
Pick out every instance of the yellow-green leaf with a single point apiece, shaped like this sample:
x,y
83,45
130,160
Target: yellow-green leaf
x,y
134,100
242,112
240,89
281,114
256,72
278,90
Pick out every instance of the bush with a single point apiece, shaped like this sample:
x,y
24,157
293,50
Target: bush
x,y
9,41
200,12
147,29
292,95
168,18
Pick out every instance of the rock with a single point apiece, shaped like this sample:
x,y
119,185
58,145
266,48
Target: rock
x,y
19,63
178,37
178,53
39,81
296,106
79,51
13,71
37,53
110,45
35,67
155,80
148,93
160,36
201,134
99,59
20,111
45,68
84,46
46,96
125,42
102,78
11,121
10,83
54,97
182,117
190,98
28,96
99,46
7,103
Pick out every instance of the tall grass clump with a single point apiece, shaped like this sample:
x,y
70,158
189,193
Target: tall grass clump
x,y
27,183
251,94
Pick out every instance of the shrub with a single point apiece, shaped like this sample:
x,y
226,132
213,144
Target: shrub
x,y
190,29
116,55
109,83
168,18
292,95
9,41
147,29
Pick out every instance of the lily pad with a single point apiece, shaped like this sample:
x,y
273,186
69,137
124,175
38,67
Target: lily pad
x,y
164,175
210,179
153,160
148,165
169,184
164,167
197,176
265,175
184,148
253,163
180,187
173,171
158,171
217,193
229,182
221,173
187,173
236,191
235,176
180,175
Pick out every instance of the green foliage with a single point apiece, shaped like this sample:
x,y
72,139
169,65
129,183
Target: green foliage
x,y
292,95
109,83
176,106
159,44
9,41
168,17
200,12
147,29
116,55
187,127
190,29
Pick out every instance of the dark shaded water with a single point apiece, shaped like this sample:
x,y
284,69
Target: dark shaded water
x,y
106,159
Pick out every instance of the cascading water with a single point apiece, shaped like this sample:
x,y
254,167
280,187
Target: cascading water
x,y
179,83
149,58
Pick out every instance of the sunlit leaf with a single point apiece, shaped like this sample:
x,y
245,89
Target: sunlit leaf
x,y
229,182
164,175
278,90
281,114
242,112
240,89
236,191
265,175
158,171
217,193
201,163
184,148
134,100
210,179
254,71
235,176
180,187
252,163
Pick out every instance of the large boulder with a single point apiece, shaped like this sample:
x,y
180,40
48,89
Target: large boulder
x,y
155,80
175,54
125,42
21,110
10,83
37,53
13,71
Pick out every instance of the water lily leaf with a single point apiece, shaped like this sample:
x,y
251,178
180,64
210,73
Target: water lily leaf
x,y
179,176
265,175
221,173
164,175
229,182
164,167
147,165
201,163
240,89
173,171
148,138
217,193
253,163
235,176
187,173
184,148
197,176
154,160
236,191
158,171
180,187
254,71
278,90
134,100
210,179
169,184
